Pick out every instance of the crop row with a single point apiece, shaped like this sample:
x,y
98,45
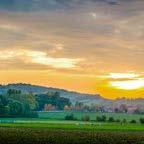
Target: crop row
x,y
41,136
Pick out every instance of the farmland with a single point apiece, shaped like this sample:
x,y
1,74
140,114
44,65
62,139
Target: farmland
x,y
51,128
56,120
70,125
45,136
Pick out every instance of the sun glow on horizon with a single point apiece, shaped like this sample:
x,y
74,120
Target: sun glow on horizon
x,y
129,84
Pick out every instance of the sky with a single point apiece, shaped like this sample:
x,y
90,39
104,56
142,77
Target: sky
x,y
89,46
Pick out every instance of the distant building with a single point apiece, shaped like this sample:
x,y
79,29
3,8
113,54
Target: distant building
x,y
131,109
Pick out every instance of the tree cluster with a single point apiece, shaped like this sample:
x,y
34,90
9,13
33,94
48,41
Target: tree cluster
x,y
53,99
16,104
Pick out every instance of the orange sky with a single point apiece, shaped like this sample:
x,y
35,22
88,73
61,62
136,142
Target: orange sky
x,y
81,83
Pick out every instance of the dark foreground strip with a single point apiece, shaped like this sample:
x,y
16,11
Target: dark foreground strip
x,y
40,136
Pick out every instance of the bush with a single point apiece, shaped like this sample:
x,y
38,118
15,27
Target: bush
x,y
70,117
85,118
101,118
31,115
124,121
142,120
118,120
111,119
133,121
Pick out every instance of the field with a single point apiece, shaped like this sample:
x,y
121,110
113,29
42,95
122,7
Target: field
x,y
41,136
70,125
55,120
92,115
51,128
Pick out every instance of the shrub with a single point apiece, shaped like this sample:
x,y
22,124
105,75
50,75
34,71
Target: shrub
x,y
111,119
70,117
133,121
124,120
142,120
85,118
32,114
101,118
118,120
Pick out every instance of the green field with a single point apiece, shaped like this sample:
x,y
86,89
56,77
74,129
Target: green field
x,y
92,115
55,120
45,117
83,126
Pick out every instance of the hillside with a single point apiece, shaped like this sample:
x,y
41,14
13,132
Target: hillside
x,y
73,96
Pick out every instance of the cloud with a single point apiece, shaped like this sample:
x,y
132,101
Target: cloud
x,y
38,57
122,75
42,58
28,5
92,30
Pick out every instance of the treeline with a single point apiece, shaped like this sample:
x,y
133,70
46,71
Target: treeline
x,y
51,101
17,104
103,118
120,108
14,103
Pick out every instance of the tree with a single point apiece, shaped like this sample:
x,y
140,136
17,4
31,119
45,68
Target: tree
x,y
142,120
13,91
15,108
85,118
52,98
101,118
124,121
70,117
133,121
111,119
15,103
3,104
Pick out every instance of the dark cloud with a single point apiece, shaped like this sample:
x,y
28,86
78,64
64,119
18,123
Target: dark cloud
x,y
51,4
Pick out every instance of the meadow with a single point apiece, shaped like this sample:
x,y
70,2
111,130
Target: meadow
x,y
61,115
70,125
56,120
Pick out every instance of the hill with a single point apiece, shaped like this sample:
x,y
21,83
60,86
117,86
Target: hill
x,y
73,96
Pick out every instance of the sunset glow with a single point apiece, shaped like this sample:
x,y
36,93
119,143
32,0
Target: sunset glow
x,y
128,85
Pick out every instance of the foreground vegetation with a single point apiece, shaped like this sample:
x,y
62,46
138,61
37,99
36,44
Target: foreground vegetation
x,y
41,136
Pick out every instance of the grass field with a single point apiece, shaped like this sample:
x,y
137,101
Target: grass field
x,y
92,115
46,117
83,126
55,120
